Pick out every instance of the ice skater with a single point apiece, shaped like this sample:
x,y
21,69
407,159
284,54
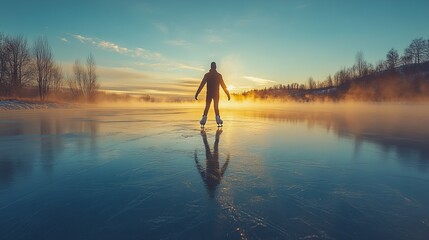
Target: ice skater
x,y
213,80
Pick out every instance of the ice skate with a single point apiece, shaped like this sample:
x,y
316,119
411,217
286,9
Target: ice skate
x,y
219,121
203,121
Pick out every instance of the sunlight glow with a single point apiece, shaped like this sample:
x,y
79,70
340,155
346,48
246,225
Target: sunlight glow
x,y
231,88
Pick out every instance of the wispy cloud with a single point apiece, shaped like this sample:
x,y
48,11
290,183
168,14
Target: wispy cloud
x,y
117,75
63,39
112,46
189,67
140,52
138,82
259,81
129,80
83,39
132,81
146,54
179,43
212,37
170,66
104,44
189,82
162,27
123,74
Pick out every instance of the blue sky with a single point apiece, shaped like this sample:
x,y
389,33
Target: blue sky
x,y
164,47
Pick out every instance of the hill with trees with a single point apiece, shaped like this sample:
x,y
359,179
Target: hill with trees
x,y
396,78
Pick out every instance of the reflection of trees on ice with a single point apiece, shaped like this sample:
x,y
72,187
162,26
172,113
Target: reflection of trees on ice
x,y
212,174
42,137
382,125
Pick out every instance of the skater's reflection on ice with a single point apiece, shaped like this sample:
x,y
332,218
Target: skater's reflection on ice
x,y
212,174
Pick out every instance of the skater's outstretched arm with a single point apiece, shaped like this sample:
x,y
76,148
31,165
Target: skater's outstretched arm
x,y
225,165
222,83
199,167
203,82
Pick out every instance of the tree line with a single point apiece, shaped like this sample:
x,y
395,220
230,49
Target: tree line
x,y
30,71
417,52
414,55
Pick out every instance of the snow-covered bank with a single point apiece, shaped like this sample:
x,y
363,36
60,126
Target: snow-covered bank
x,y
21,105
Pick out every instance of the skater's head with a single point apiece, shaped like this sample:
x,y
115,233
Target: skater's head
x,y
213,66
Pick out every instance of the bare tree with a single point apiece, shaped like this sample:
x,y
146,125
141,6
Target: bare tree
x,y
370,69
17,61
2,65
329,82
417,48
407,58
44,66
311,83
337,80
426,51
343,76
380,66
57,78
84,81
392,59
361,66
76,82
92,85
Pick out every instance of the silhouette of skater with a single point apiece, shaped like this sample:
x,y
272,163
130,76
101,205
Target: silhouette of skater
x,y
213,80
212,174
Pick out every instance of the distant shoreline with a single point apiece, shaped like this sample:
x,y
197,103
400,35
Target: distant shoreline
x,y
29,104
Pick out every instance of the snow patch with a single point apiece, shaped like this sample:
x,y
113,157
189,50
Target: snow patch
x,y
21,105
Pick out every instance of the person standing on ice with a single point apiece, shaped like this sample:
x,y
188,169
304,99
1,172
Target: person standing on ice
x,y
213,80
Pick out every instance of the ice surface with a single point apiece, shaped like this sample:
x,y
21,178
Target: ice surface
x,y
151,173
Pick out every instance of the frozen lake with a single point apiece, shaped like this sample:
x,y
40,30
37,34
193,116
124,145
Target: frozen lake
x,y
342,172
